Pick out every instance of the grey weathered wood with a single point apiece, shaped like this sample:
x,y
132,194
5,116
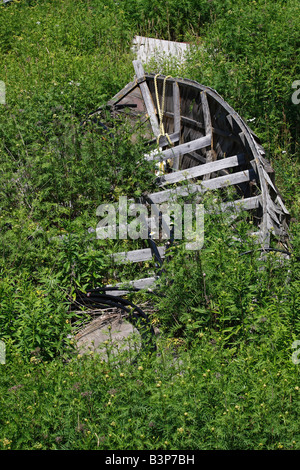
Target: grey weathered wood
x,y
123,93
163,141
210,155
242,204
250,146
206,113
144,283
157,213
177,118
139,70
233,136
136,256
176,106
197,156
202,159
182,149
230,120
201,170
281,203
268,179
186,120
215,183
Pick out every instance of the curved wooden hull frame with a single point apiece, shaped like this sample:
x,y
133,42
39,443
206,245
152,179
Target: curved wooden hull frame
x,y
212,146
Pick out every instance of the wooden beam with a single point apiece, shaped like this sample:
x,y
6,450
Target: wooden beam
x,y
216,183
177,118
147,97
136,256
280,202
163,141
210,154
186,120
144,283
206,113
197,157
201,170
181,149
122,93
246,204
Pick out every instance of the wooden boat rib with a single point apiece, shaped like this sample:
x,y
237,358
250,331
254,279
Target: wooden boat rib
x,y
207,144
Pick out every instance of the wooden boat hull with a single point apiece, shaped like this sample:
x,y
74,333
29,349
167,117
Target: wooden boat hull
x,y
207,144
211,145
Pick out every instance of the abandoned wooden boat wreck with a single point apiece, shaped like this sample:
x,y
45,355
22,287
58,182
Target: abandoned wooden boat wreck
x,y
207,145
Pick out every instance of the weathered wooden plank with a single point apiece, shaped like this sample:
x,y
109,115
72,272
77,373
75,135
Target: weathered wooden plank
x,y
243,139
163,141
144,283
201,170
206,113
242,204
196,156
273,215
139,70
136,256
176,107
177,118
210,154
155,211
230,120
268,179
122,93
281,203
227,180
200,126
265,223
216,183
182,149
186,120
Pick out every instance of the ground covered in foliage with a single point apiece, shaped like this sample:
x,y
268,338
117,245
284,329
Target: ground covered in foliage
x,y
226,371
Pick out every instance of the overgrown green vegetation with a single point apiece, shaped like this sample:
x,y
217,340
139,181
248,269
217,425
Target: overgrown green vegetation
x,y
223,376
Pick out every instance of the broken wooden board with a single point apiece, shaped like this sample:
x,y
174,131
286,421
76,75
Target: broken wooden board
x,y
109,334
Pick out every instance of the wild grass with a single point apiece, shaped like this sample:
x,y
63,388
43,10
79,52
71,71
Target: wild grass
x,y
226,371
